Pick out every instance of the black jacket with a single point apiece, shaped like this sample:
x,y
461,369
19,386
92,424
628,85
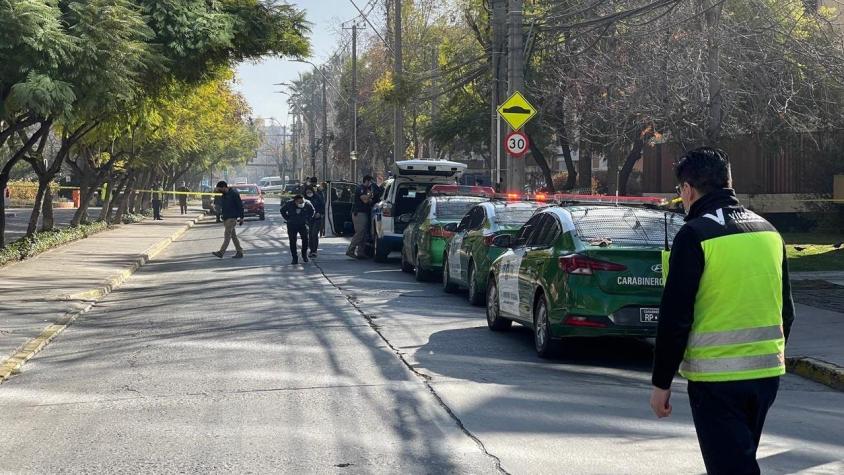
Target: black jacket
x,y
297,217
231,205
685,271
359,206
318,202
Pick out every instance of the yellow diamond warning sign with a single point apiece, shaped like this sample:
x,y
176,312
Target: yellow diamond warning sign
x,y
516,111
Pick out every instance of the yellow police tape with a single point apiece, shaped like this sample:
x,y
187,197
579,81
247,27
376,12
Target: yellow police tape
x,y
163,192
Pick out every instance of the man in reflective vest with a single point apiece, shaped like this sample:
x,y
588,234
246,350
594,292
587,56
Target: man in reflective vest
x,y
725,316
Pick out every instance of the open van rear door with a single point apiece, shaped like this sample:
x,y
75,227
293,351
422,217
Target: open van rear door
x,y
338,208
429,168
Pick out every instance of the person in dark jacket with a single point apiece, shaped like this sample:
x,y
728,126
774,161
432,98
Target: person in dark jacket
x,y
157,198
725,317
314,195
183,198
366,195
298,213
231,209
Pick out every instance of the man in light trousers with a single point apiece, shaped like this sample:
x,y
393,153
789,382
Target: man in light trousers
x,y
232,211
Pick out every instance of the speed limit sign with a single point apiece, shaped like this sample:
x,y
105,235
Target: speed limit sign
x,y
516,144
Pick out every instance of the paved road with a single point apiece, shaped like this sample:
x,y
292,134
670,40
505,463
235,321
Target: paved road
x,y
16,225
199,365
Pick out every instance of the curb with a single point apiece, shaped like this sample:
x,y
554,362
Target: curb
x,y
13,364
817,370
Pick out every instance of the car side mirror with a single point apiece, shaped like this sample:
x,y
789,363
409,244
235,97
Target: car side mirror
x,y
406,218
451,227
503,240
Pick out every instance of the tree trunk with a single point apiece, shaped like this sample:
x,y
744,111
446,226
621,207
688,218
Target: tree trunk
x,y
585,165
571,179
634,156
539,157
105,213
7,170
127,200
48,222
713,69
36,209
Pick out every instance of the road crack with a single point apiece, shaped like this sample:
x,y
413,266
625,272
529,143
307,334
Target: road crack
x,y
424,378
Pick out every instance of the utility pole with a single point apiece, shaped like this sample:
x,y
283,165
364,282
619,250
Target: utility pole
x,y
435,90
516,82
324,129
354,153
398,122
312,132
499,24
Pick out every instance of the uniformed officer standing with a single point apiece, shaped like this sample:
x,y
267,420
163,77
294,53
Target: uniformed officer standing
x,y
725,316
298,213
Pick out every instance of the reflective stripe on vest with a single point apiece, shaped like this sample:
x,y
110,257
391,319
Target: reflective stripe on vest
x,y
738,363
733,337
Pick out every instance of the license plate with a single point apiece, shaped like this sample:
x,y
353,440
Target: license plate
x,y
649,315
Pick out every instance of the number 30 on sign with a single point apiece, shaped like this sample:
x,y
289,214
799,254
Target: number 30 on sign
x,y
516,144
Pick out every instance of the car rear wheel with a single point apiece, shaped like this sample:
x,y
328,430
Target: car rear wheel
x,y
421,274
262,217
381,252
405,265
494,320
448,286
542,329
476,296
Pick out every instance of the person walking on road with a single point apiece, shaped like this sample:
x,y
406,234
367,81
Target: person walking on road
x,y
725,317
365,195
157,196
314,195
298,213
231,209
183,198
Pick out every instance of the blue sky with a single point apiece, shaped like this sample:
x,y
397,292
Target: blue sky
x,y
256,81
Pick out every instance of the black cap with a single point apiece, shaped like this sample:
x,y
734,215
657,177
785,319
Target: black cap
x,y
298,197
367,178
313,179
222,184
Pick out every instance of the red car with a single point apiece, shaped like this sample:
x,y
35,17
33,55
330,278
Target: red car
x,y
253,200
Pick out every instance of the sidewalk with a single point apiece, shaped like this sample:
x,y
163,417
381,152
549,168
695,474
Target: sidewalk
x,y
816,347
44,294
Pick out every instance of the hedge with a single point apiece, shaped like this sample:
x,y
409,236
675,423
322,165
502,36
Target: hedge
x,y
24,190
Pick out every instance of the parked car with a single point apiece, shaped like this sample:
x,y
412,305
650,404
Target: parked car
x,y
253,200
402,194
582,270
470,252
425,237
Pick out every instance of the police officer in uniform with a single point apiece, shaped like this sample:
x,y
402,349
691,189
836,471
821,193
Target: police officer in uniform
x,y
725,316
298,213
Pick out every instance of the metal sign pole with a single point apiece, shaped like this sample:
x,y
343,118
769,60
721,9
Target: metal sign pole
x,y
498,149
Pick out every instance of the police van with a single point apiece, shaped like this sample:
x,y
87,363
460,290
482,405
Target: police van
x,y
401,195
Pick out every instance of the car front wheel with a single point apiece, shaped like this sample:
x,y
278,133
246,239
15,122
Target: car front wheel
x,y
448,286
421,274
494,320
381,252
476,295
542,330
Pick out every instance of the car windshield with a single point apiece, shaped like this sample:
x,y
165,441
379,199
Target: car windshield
x,y
515,214
246,190
601,226
455,208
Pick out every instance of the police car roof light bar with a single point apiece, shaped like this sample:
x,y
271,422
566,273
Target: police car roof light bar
x,y
462,190
606,199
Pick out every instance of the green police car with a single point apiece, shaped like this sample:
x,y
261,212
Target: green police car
x,y
582,270
470,252
425,237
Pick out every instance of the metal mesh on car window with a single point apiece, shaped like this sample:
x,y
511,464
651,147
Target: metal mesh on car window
x,y
455,208
514,215
625,226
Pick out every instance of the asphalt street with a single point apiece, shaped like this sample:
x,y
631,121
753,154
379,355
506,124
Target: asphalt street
x,y
341,366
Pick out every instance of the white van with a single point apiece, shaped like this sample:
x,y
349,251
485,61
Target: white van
x,y
271,184
402,194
